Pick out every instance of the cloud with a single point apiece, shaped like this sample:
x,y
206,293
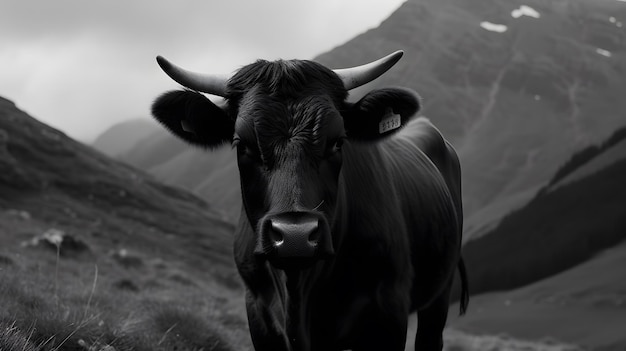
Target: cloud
x,y
84,65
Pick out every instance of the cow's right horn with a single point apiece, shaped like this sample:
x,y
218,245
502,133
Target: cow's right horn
x,y
207,83
356,76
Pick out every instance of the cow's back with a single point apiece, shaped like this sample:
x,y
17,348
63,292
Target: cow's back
x,y
423,135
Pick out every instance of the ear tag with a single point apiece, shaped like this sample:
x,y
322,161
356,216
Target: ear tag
x,y
391,121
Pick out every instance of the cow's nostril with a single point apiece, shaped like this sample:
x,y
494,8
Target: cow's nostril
x,y
314,235
276,234
293,237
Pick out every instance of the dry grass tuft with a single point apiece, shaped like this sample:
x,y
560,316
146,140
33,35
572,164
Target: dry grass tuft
x,y
13,339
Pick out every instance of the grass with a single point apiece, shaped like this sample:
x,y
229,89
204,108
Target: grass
x,y
48,313
11,338
115,296
455,340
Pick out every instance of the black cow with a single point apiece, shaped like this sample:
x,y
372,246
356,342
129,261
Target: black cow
x,y
349,222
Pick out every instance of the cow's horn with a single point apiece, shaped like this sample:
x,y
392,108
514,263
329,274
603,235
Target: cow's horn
x,y
207,83
356,76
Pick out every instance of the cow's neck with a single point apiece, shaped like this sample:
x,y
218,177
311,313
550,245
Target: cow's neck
x,y
295,289
297,313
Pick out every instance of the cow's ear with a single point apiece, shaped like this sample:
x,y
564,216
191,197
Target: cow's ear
x,y
194,118
380,113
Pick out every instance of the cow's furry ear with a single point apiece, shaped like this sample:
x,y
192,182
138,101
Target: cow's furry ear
x,y
380,113
194,118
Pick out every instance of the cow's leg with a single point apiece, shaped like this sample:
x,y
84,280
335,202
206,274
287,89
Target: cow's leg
x,y
263,332
383,327
431,321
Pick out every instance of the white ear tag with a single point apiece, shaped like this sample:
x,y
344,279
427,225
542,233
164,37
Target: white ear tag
x,y
389,122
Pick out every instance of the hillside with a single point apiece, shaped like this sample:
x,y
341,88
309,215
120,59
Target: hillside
x,y
580,213
93,252
553,271
585,305
516,104
554,232
122,137
590,160
211,175
154,149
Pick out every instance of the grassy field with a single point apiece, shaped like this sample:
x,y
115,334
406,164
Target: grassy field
x,y
100,298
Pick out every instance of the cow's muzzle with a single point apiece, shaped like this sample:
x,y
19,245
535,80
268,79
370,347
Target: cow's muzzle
x,y
294,239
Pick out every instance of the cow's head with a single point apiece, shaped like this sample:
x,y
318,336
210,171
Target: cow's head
x,y
288,121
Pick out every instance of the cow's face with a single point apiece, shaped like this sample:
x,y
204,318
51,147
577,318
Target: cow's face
x,y
289,133
288,121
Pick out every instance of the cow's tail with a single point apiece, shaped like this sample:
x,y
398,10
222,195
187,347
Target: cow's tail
x,y
464,287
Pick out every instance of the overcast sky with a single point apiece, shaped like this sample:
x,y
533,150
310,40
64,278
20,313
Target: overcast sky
x,y
82,66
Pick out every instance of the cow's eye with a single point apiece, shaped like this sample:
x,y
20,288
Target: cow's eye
x,y
336,146
246,150
235,142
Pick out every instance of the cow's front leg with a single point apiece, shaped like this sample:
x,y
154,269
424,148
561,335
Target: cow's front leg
x,y
383,324
264,328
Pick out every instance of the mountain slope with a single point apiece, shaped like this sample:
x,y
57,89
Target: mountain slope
x,y
590,160
565,224
554,269
584,305
122,137
38,159
212,175
94,250
154,149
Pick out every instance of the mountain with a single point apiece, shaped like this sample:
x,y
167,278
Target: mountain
x,y
564,225
41,162
211,175
154,149
590,160
123,136
515,104
555,267
95,254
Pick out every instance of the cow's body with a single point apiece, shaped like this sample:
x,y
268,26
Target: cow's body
x,y
336,244
401,214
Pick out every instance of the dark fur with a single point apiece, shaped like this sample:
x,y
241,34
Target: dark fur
x,y
391,202
208,124
366,113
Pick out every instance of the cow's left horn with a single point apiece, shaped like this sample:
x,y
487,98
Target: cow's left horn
x,y
356,76
207,83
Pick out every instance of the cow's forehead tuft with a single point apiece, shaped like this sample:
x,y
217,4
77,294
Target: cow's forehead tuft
x,y
270,125
274,118
286,79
